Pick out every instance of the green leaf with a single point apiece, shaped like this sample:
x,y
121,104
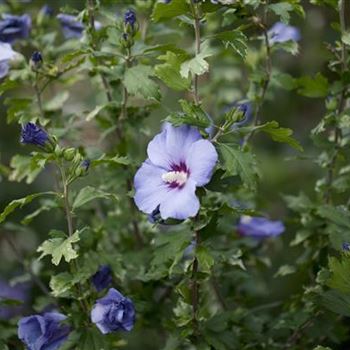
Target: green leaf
x,y
282,10
237,162
339,215
205,259
27,167
192,115
168,252
61,283
336,302
137,82
279,134
88,193
93,339
284,81
19,203
313,87
59,247
346,38
234,39
175,8
169,72
340,274
197,65
57,102
319,347
285,270
116,160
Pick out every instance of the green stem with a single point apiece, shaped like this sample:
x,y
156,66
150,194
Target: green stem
x,y
106,86
195,289
266,82
69,219
38,95
341,105
197,48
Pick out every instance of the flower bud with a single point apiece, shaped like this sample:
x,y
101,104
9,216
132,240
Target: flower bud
x,y
69,154
36,60
32,134
130,23
126,40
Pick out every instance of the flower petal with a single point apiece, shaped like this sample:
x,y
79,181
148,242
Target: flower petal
x,y
149,186
180,203
30,329
98,313
201,160
157,151
179,140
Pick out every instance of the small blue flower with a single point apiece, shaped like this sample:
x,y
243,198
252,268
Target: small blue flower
x,y
43,332
113,312
14,27
102,278
281,32
71,27
259,227
130,18
34,135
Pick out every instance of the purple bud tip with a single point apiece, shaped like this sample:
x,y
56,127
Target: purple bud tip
x,y
130,17
86,164
47,10
346,246
36,57
34,135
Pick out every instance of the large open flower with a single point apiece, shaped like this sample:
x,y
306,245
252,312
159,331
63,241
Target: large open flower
x,y
179,160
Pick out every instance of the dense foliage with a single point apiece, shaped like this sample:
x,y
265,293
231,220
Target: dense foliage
x,y
153,195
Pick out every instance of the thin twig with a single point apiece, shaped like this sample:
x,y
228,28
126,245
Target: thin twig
x,y
341,105
198,49
266,82
195,289
105,83
217,292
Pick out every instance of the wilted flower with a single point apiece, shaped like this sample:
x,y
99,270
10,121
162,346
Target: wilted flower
x,y
6,55
130,18
281,32
14,27
34,135
102,278
259,227
179,161
36,60
43,332
113,312
85,164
